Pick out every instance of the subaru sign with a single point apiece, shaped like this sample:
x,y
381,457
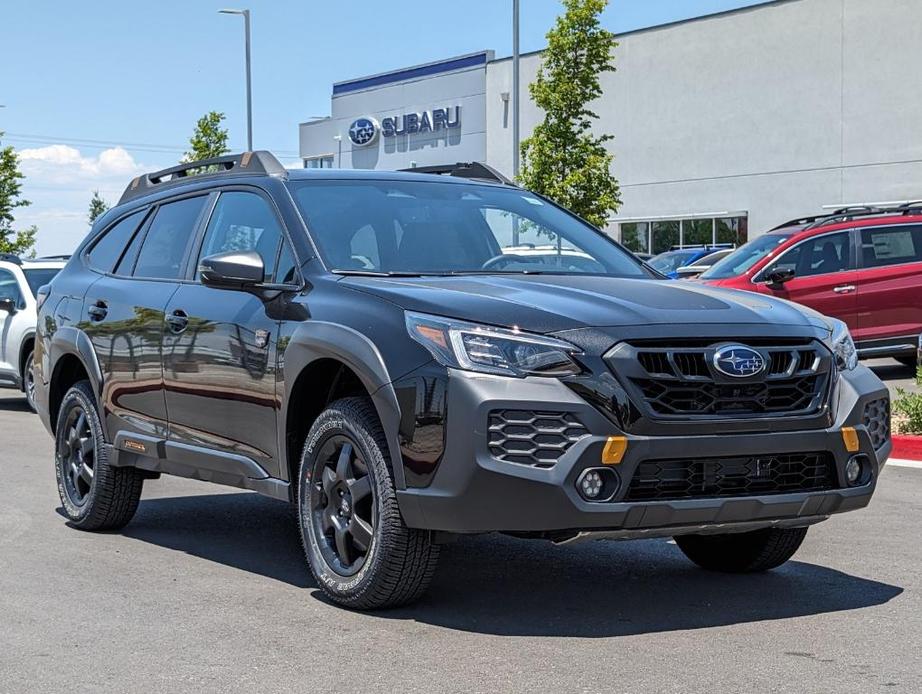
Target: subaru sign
x,y
738,361
363,131
422,122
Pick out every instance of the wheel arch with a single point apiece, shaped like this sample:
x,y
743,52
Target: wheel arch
x,y
322,362
26,346
71,358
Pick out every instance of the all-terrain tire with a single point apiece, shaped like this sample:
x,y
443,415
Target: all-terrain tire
x,y
28,381
750,552
399,561
105,497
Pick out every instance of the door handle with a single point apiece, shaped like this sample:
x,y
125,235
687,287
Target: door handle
x,y
844,288
98,311
178,321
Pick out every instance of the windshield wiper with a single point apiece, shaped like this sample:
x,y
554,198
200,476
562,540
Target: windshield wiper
x,y
377,273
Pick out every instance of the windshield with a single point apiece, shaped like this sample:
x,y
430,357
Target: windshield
x,y
416,228
670,261
37,277
744,257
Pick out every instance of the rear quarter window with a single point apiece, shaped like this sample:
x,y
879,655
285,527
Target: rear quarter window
x,y
108,249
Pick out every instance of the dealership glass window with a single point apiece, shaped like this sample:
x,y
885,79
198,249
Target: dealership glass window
x,y
665,236
732,230
635,236
656,236
323,162
697,232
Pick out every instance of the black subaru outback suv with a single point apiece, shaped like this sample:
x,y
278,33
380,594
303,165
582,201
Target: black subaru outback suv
x,y
411,356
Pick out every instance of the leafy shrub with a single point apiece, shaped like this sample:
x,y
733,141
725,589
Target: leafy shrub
x,y
910,406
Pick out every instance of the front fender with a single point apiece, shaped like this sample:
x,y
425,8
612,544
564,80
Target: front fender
x,y
321,340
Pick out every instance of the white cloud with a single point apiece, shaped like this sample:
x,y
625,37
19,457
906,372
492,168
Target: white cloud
x,y
60,180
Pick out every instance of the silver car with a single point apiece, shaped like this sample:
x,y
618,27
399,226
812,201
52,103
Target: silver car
x,y
19,283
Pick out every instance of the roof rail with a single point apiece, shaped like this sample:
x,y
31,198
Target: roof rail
x,y
473,169
245,163
11,258
61,256
843,214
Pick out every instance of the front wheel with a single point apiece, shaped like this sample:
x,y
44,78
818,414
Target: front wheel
x,y
759,550
360,552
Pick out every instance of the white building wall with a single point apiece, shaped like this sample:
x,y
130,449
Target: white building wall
x,y
465,88
775,110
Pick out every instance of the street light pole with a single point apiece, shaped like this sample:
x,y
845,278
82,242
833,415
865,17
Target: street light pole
x,y
515,88
246,30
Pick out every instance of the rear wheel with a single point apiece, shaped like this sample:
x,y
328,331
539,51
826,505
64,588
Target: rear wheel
x,y
28,381
750,552
359,550
94,495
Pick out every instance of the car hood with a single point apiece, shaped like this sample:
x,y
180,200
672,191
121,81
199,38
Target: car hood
x,y
547,303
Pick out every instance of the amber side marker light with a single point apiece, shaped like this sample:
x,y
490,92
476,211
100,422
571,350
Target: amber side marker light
x,y
614,450
850,439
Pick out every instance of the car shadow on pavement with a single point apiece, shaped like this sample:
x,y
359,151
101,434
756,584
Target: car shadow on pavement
x,y
14,405
505,586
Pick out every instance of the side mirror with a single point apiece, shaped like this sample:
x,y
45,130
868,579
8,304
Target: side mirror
x,y
232,270
8,305
777,278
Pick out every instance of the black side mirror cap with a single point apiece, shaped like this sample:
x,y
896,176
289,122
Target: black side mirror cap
x,y
777,278
232,270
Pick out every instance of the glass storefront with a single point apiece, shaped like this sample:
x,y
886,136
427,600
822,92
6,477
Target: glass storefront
x,y
658,235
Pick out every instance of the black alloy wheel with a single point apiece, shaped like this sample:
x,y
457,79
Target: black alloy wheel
x,y
78,456
343,505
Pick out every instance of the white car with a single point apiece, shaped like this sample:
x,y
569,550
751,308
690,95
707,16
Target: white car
x,y
19,282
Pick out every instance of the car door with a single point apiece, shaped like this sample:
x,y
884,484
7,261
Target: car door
x,y
13,324
824,276
142,257
890,283
220,347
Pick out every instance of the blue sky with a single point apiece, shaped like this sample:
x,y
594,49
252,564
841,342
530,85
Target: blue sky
x,y
97,91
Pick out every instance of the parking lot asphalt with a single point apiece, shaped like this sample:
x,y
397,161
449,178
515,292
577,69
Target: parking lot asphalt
x,y
207,590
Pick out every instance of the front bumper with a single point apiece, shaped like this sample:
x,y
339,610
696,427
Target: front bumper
x,y
472,491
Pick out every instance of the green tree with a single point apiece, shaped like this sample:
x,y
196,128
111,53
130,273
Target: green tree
x,y
98,206
209,139
18,241
563,159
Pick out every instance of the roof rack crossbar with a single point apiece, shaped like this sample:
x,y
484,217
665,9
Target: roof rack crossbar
x,y
474,170
249,163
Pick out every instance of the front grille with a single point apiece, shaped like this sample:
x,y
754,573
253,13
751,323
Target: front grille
x,y
530,437
877,421
705,478
682,382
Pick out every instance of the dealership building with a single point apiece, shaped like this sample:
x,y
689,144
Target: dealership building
x,y
724,125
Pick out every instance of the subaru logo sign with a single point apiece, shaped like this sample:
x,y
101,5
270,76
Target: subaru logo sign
x,y
738,361
363,131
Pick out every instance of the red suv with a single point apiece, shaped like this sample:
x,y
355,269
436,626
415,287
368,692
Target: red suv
x,y
861,265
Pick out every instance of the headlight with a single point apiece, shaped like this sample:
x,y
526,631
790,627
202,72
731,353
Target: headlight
x,y
491,350
842,345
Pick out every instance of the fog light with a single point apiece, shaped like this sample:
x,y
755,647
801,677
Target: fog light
x,y
597,484
853,471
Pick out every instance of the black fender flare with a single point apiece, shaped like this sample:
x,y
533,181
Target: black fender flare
x,y
315,340
70,340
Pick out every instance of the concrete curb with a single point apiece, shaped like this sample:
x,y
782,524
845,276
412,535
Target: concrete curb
x,y
907,447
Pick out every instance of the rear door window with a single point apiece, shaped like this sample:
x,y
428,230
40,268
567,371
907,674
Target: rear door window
x,y
163,250
896,245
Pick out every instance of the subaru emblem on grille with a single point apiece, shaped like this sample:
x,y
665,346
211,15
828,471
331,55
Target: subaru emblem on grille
x,y
738,361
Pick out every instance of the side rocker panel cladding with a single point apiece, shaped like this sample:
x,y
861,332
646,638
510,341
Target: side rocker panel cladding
x,y
319,340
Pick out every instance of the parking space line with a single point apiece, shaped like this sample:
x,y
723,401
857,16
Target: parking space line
x,y
905,463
